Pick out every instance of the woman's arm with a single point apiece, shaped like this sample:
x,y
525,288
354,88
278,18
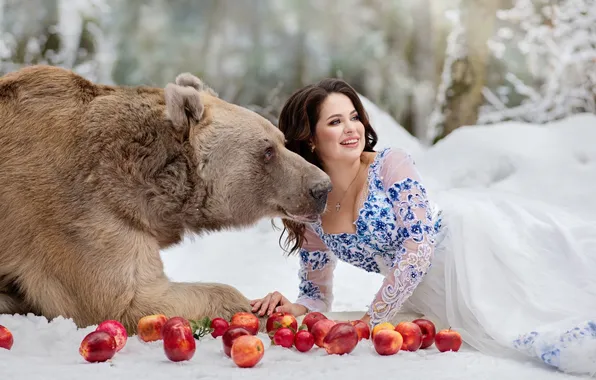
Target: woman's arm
x,y
315,289
415,229
317,264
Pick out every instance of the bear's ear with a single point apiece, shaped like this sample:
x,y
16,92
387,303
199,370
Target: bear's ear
x,y
183,105
187,79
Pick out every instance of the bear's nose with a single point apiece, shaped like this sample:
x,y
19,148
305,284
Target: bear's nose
x,y
320,190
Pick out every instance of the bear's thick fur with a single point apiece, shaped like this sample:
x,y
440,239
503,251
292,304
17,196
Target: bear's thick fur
x,y
96,179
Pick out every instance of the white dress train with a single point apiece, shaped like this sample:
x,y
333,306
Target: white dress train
x,y
514,276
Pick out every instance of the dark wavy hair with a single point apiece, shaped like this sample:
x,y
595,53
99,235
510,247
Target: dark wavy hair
x,y
298,120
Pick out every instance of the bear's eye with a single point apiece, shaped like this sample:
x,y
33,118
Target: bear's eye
x,y
269,154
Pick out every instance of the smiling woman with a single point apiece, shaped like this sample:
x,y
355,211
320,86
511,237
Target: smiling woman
x,y
490,250
366,225
313,122
338,139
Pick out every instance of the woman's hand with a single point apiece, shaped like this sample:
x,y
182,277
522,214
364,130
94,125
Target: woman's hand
x,y
276,302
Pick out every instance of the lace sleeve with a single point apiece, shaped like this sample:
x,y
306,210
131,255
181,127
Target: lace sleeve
x,y
317,264
415,230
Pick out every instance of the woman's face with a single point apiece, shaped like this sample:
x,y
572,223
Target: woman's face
x,y
339,132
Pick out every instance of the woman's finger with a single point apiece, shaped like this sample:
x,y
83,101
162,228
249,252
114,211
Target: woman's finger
x,y
265,304
275,300
256,305
284,300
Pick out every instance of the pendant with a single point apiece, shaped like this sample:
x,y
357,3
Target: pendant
x,y
337,207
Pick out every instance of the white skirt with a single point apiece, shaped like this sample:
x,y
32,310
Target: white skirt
x,y
516,277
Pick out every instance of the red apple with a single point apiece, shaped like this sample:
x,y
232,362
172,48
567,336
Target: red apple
x,y
178,342
341,339
231,334
219,326
428,331
115,329
97,346
247,320
6,339
362,329
283,337
320,329
149,327
247,351
387,342
381,326
304,340
174,321
448,340
279,320
411,334
311,318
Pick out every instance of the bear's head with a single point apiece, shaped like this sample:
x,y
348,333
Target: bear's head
x,y
245,171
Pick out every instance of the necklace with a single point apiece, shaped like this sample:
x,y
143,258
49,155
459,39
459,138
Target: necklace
x,y
338,203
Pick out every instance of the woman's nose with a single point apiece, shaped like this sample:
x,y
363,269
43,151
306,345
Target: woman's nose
x,y
349,127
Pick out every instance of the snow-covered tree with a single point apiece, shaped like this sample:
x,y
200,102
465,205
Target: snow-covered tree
x,y
556,44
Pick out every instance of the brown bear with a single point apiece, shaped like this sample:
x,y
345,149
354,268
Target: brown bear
x,y
96,179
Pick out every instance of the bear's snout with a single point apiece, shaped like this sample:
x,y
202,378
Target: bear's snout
x,y
319,192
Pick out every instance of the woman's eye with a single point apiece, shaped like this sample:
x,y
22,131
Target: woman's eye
x,y
356,117
334,122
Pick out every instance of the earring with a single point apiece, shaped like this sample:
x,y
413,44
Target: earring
x,y
312,148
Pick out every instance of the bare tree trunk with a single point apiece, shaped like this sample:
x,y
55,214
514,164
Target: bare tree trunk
x,y
423,65
468,73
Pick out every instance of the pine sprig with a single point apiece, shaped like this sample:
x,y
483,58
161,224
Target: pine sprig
x,y
201,327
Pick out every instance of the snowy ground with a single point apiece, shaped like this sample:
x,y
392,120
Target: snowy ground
x,y
532,160
49,351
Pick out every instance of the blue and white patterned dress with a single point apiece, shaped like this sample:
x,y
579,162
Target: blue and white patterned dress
x,y
514,277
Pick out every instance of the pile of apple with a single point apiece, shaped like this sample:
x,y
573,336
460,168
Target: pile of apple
x,y
412,336
241,344
339,338
335,337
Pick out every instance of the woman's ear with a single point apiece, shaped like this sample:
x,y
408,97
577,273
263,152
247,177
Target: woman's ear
x,y
311,144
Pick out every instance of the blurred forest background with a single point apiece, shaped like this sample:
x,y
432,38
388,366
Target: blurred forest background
x,y
433,65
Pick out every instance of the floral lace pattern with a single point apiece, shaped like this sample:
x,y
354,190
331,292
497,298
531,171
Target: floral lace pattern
x,y
415,237
316,259
312,275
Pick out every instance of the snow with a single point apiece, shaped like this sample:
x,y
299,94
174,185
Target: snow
x,y
50,351
527,159
388,130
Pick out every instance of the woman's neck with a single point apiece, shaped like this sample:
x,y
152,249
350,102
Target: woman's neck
x,y
342,174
